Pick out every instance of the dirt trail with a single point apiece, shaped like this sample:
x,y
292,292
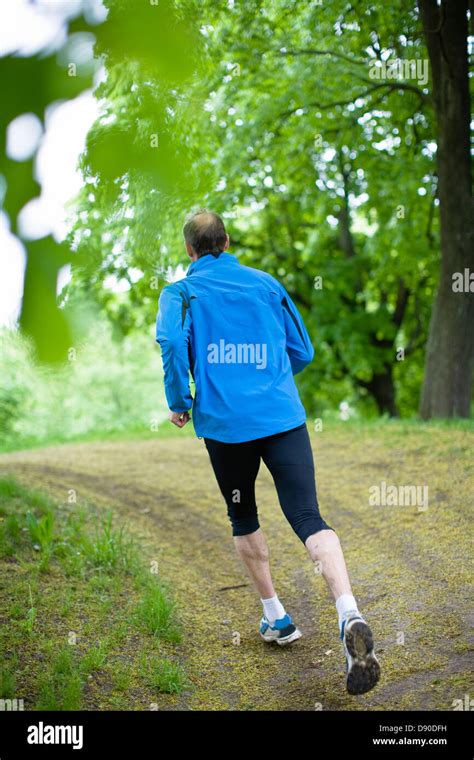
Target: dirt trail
x,y
410,569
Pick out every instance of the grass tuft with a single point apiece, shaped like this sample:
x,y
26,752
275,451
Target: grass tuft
x,y
156,613
163,675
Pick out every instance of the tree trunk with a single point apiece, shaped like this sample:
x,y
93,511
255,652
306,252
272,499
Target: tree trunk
x,y
449,360
382,389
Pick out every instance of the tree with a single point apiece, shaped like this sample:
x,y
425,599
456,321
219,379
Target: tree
x,y
447,386
332,168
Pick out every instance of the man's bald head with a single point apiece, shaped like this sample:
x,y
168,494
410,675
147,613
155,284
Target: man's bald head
x,y
204,231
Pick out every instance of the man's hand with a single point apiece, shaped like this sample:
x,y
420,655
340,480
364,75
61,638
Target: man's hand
x,y
179,418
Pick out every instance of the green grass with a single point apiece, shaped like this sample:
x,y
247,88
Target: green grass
x,y
155,613
77,599
94,659
108,548
140,432
163,675
27,622
331,421
8,685
60,685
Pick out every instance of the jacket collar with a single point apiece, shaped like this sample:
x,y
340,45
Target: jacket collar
x,y
209,260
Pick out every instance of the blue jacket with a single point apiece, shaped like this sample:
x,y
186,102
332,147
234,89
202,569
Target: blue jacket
x,y
238,332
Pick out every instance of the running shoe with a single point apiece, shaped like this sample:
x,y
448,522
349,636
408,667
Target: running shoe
x,y
282,631
362,666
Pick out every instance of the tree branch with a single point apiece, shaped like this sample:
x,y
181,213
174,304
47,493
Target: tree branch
x,y
401,304
313,51
391,86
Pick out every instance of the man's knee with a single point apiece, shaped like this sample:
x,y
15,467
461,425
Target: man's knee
x,y
243,522
309,524
322,543
253,549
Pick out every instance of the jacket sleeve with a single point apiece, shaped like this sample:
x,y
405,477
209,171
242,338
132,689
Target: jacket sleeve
x,y
173,326
298,343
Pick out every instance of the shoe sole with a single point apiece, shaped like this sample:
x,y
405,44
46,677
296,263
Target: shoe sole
x,y
364,669
285,640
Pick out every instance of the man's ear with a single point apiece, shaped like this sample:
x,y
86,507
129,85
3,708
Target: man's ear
x,y
190,251
227,243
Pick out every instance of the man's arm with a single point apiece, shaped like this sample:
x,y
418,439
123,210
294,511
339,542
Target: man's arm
x,y
173,326
298,343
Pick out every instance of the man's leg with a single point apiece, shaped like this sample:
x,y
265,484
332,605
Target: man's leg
x,y
236,467
289,458
253,551
325,551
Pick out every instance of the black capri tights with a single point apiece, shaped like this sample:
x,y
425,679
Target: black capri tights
x,y
289,458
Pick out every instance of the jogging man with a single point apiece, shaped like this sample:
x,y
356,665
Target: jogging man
x,y
238,333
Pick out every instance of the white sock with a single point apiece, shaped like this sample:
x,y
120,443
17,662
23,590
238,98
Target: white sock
x,y
346,606
273,609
